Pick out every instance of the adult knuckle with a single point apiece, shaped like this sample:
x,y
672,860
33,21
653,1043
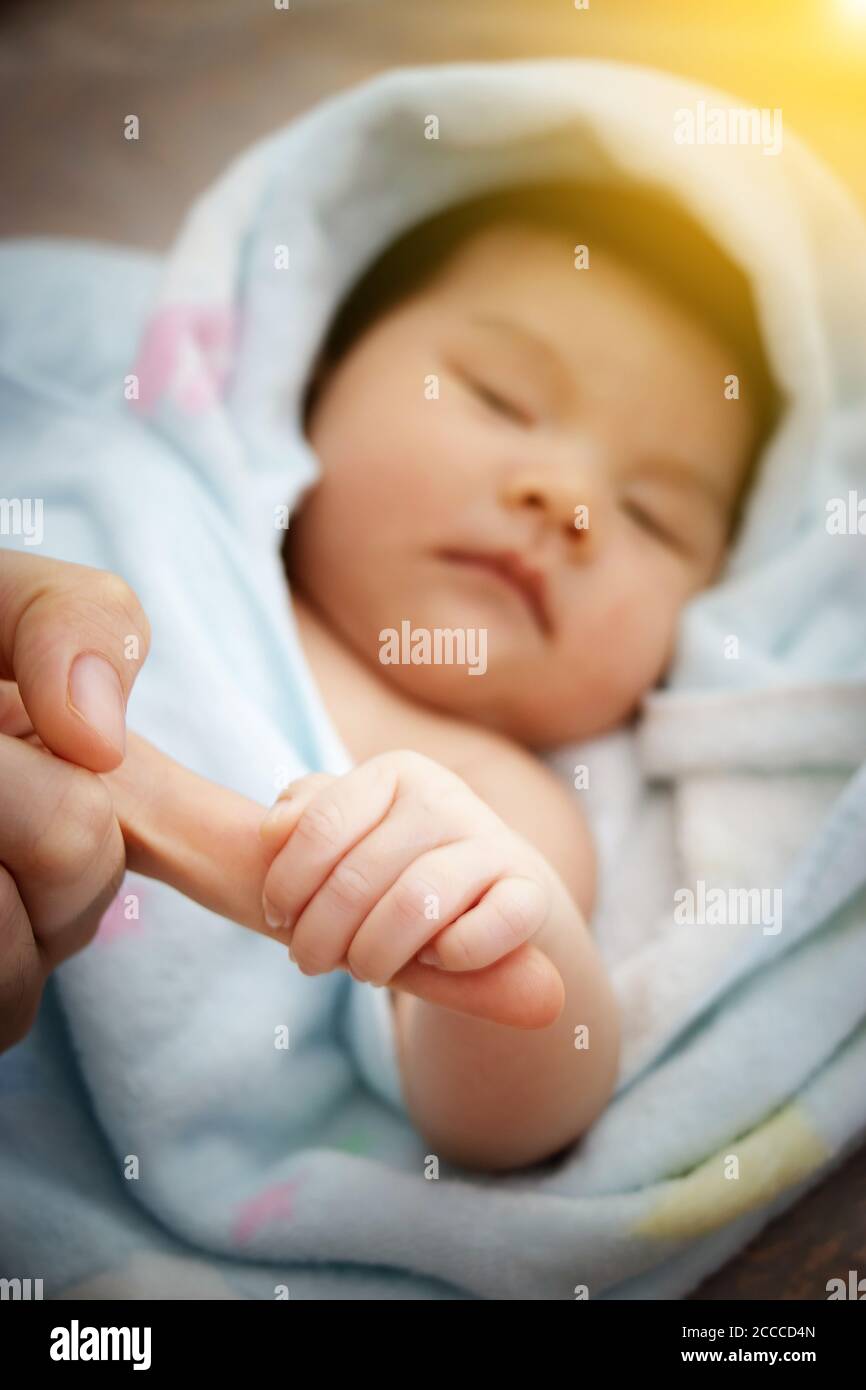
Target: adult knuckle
x,y
114,591
10,903
80,827
112,594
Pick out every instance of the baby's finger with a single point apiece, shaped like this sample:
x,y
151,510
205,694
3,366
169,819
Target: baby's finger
x,y
523,990
204,840
374,907
433,890
508,915
279,822
335,819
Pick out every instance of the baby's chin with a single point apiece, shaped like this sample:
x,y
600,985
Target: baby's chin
x,y
518,704
491,668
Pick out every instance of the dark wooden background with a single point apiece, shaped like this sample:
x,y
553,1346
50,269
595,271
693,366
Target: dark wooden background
x,y
206,77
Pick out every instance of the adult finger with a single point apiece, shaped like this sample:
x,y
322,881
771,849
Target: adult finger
x,y
60,842
14,719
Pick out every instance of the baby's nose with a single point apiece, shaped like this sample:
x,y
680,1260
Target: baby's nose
x,y
561,501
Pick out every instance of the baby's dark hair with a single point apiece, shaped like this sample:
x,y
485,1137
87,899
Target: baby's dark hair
x,y
642,225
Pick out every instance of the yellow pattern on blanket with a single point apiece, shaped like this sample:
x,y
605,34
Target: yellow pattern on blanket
x,y
779,1154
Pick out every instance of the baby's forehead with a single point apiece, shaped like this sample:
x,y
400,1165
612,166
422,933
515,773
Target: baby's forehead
x,y
546,279
533,306
511,248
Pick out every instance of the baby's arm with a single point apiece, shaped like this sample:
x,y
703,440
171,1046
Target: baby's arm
x,y
523,1095
482,1093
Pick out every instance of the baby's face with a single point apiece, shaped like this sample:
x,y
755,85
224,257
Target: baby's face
x,y
558,390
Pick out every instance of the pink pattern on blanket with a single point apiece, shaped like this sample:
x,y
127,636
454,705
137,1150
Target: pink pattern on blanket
x,y
115,923
274,1204
186,352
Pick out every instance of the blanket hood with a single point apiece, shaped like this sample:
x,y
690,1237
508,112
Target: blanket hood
x,y
268,253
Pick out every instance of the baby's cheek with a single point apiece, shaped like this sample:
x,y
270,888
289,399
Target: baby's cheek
x,y
645,649
629,647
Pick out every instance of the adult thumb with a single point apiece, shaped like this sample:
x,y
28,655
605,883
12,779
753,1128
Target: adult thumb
x,y
73,639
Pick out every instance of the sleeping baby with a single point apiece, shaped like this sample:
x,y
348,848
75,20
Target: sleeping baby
x,y
536,415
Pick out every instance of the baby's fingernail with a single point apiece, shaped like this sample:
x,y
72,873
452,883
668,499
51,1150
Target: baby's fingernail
x,y
278,817
273,918
95,693
429,956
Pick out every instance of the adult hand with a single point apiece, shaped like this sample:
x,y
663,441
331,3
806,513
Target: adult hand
x,y
72,640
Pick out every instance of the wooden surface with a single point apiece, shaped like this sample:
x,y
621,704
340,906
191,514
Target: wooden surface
x,y
206,77
822,1238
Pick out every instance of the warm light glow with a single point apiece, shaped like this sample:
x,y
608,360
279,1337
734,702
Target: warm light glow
x,y
854,9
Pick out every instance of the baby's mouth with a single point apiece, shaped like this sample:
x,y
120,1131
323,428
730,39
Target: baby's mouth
x,y
513,570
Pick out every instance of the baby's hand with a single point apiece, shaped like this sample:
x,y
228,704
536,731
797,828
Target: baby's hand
x,y
399,862
361,878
